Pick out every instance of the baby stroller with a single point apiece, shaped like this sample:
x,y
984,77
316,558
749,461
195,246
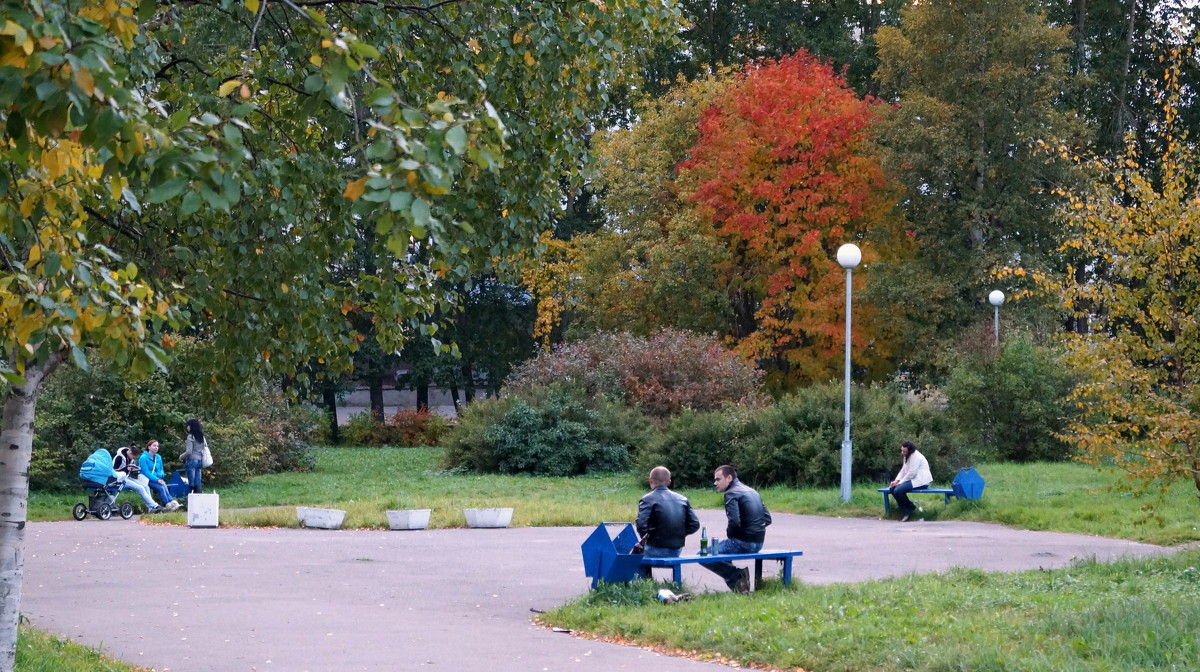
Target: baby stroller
x,y
102,501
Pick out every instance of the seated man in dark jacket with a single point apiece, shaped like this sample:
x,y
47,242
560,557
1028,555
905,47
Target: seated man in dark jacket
x,y
665,518
748,521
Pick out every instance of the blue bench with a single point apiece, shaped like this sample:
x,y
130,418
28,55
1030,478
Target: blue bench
x,y
608,557
887,502
968,484
677,563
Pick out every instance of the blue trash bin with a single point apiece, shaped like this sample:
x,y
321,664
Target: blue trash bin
x,y
968,484
608,558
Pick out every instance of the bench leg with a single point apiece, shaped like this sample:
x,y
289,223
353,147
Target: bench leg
x,y
887,506
677,575
947,499
787,571
757,573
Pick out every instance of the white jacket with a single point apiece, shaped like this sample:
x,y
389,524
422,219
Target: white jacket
x,y
915,469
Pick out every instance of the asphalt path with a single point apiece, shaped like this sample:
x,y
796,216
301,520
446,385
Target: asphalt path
x,y
176,599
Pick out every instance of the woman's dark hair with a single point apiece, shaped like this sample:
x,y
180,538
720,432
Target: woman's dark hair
x,y
195,430
909,447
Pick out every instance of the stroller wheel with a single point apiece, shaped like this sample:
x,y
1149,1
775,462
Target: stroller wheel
x,y
103,510
126,510
80,511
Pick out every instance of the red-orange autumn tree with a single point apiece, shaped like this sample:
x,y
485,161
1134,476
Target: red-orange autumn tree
x,y
785,168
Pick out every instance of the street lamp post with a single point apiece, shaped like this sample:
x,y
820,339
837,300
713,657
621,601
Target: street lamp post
x,y
848,256
996,298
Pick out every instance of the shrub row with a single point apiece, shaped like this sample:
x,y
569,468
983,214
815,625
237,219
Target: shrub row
x,y
563,431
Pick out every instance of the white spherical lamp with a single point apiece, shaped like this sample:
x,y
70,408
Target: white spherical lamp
x,y
996,298
849,255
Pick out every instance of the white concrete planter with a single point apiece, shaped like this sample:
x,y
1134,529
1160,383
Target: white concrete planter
x,y
325,519
488,517
408,519
202,510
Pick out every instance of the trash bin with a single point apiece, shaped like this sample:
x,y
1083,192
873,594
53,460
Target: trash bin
x,y
968,484
608,558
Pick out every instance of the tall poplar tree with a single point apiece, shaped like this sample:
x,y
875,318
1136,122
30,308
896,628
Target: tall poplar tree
x,y
976,85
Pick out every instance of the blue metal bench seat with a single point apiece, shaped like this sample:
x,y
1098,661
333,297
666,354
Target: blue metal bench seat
x,y
676,563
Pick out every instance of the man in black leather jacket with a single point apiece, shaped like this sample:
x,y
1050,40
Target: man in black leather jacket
x,y
747,528
665,518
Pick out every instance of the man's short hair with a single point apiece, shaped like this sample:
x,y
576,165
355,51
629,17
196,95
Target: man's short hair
x,y
661,475
726,470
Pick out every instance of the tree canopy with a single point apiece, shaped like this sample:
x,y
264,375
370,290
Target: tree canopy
x,y
208,165
1136,231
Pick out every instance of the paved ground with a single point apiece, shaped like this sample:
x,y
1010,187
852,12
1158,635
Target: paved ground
x,y
228,600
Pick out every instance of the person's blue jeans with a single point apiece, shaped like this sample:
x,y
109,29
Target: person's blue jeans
x,y
900,494
658,552
192,470
727,570
160,489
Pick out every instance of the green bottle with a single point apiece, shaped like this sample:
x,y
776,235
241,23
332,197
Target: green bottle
x,y
704,541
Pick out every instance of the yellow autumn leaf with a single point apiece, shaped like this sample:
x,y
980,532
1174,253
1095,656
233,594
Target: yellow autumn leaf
x,y
284,287
228,87
474,45
529,59
252,6
355,189
316,60
83,78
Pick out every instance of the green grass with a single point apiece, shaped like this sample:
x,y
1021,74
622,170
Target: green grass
x,y
1130,615
38,651
1059,497
366,482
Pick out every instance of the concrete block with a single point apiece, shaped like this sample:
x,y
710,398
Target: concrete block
x,y
325,519
408,519
488,517
202,510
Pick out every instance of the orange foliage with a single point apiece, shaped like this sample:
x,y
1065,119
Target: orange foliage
x,y
785,169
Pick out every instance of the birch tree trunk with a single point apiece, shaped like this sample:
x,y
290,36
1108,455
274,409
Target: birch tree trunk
x,y
16,448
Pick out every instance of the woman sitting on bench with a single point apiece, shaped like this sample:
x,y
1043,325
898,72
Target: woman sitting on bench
x,y
914,475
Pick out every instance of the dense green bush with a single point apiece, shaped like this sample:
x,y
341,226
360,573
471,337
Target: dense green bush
x,y
695,443
467,447
554,431
662,375
1009,403
797,441
402,428
104,407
